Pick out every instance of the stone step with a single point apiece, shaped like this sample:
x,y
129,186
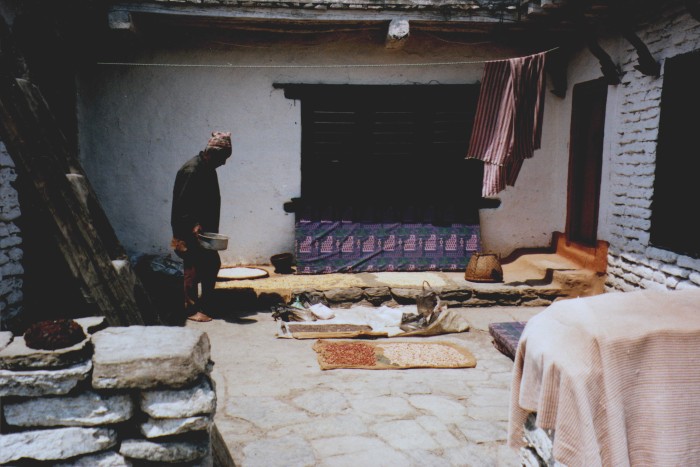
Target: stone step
x,y
536,279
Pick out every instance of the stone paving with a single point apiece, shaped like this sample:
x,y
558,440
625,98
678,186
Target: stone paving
x,y
276,407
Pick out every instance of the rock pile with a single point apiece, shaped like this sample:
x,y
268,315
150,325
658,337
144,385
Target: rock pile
x,y
123,396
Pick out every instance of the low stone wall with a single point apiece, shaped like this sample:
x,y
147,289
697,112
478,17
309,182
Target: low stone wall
x,y
137,395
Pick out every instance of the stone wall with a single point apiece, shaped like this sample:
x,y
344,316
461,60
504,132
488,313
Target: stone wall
x,y
632,261
123,396
538,449
11,270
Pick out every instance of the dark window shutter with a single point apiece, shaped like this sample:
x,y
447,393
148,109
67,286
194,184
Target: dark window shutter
x,y
391,144
677,158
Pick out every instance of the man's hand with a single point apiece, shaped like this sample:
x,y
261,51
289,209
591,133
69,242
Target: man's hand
x,y
196,230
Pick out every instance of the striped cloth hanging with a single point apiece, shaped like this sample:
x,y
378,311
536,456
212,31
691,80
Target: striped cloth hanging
x,y
508,123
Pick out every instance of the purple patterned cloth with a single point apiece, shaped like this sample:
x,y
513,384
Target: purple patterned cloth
x,y
506,336
323,247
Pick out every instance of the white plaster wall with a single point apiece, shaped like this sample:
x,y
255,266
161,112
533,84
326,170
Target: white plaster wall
x,y
536,206
138,124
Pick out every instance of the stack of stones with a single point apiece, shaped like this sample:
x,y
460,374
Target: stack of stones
x,y
137,395
538,449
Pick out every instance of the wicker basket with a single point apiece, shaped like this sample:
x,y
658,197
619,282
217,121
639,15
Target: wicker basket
x,y
484,267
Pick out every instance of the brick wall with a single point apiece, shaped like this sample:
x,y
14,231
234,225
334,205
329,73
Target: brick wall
x,y
11,270
633,262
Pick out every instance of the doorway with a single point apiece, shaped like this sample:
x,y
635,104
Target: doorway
x,y
585,161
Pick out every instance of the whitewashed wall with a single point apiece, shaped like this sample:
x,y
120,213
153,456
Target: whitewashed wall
x,y
138,124
535,207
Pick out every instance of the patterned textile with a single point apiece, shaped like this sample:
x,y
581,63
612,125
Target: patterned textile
x,y
220,139
506,336
508,123
374,241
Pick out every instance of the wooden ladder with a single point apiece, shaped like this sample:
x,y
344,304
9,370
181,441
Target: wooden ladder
x,y
78,224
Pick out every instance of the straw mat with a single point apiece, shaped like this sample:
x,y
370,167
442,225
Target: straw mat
x,y
391,355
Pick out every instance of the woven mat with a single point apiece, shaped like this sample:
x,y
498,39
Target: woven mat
x,y
330,331
506,336
391,355
241,273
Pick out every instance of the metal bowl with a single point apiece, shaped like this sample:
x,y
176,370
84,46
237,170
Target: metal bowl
x,y
213,241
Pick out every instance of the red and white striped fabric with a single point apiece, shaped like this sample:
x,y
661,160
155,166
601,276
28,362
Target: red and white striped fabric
x,y
508,123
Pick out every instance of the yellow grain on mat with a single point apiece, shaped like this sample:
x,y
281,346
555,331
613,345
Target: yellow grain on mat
x,y
408,353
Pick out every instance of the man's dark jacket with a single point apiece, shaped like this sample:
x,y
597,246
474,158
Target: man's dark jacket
x,y
196,199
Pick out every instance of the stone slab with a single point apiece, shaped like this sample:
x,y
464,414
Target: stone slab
x,y
164,451
5,338
148,356
43,382
181,403
158,427
104,459
55,444
18,356
85,409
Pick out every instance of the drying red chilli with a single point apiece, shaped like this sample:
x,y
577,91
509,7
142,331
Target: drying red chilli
x,y
355,354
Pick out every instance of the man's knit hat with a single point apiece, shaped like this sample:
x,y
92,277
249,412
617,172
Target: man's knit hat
x,y
220,139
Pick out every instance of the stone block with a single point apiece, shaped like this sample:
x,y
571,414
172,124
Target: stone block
x,y
43,382
148,356
103,459
85,409
55,444
456,295
19,357
349,294
164,451
377,295
158,427
188,402
6,337
403,295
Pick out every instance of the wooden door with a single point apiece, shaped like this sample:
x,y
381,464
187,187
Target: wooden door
x,y
585,160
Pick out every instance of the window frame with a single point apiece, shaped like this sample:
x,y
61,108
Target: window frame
x,y
423,161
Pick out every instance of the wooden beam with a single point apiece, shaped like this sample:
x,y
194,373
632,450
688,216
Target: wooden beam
x,y
220,14
42,159
557,64
611,72
645,61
